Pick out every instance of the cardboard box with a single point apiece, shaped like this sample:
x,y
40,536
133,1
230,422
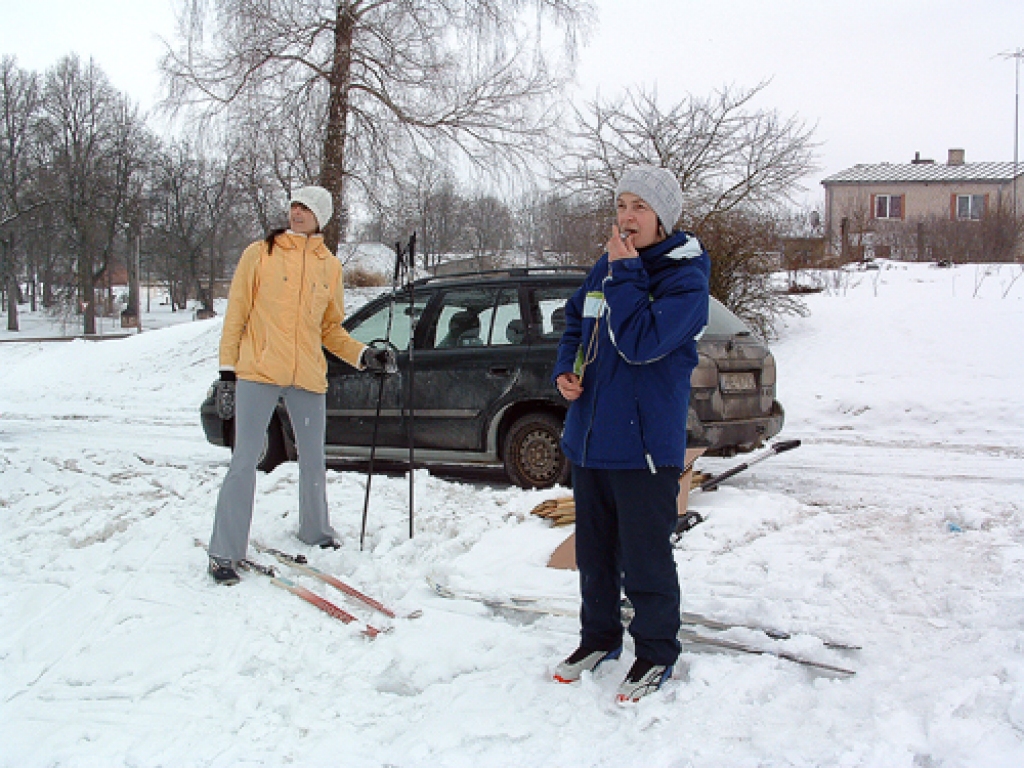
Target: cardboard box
x,y
564,556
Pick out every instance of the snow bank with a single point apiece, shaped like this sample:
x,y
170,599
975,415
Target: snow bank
x,y
898,524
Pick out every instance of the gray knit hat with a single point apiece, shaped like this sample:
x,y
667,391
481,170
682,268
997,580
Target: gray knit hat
x,y
318,200
658,187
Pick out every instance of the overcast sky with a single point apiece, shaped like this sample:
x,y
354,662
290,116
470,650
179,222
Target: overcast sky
x,y
878,80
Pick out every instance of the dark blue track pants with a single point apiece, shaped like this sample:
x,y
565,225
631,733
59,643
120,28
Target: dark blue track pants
x,y
624,522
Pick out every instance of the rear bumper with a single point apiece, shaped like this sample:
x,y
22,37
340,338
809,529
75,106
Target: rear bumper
x,y
727,438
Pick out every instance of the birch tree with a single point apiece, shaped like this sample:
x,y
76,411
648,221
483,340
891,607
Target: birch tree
x,y
371,82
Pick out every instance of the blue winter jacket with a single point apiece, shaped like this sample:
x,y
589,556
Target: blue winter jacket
x,y
636,364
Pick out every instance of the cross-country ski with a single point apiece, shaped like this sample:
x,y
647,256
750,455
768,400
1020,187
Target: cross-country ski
x,y
548,607
300,563
698,639
303,593
688,617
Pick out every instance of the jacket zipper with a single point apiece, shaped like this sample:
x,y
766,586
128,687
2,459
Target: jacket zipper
x,y
298,313
643,439
640,425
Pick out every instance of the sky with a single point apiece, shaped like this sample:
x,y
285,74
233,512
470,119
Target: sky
x,y
878,81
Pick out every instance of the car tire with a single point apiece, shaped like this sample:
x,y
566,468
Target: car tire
x,y
533,457
273,453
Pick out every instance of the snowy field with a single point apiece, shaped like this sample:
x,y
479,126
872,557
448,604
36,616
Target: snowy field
x,y
899,524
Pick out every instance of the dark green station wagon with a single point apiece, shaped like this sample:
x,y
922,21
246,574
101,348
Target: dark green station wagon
x,y
474,386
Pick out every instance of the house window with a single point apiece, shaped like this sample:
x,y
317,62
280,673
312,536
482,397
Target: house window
x,y
970,206
888,206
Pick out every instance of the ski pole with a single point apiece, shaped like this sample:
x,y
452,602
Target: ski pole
x,y
410,425
380,395
773,450
691,519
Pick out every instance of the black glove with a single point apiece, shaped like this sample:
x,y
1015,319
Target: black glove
x,y
381,360
225,395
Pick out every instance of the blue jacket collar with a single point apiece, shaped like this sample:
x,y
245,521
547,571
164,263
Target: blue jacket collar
x,y
670,243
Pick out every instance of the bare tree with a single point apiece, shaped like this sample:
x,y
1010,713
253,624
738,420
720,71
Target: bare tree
x,y
94,145
194,220
427,199
489,228
528,220
744,247
737,166
992,238
19,108
726,154
441,216
575,227
372,81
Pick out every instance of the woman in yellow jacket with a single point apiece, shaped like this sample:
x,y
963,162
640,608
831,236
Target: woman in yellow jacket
x,y
286,303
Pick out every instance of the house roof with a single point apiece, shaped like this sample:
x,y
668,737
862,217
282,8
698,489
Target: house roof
x,y
925,172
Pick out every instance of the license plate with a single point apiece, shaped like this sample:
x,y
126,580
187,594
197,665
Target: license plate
x,y
737,382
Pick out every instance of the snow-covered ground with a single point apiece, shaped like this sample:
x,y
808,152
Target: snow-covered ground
x,y
898,524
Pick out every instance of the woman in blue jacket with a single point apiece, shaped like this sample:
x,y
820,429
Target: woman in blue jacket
x,y
624,363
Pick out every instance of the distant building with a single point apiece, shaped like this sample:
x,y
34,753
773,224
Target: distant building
x,y
114,275
892,208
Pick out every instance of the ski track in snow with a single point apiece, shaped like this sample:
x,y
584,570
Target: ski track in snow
x,y
898,524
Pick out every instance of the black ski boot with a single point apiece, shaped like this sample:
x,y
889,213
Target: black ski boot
x,y
223,571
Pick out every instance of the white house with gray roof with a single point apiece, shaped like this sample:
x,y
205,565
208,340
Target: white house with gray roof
x,y
866,198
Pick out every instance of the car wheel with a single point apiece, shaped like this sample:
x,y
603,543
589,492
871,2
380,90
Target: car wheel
x,y
273,452
533,458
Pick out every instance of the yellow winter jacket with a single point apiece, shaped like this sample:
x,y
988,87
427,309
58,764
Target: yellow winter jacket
x,y
282,308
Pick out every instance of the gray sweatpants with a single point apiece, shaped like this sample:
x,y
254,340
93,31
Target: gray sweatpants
x,y
254,407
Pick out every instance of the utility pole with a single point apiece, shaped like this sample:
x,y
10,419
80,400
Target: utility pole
x,y
138,283
1017,55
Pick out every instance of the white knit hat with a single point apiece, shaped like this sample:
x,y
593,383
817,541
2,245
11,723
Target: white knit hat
x,y
658,187
318,200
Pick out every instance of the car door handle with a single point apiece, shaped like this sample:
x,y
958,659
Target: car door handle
x,y
499,370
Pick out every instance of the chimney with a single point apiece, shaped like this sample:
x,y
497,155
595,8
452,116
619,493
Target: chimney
x,y
918,160
956,157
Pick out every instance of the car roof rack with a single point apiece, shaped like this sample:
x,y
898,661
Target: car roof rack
x,y
506,272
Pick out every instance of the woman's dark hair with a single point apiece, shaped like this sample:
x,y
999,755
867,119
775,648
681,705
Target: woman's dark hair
x,y
272,236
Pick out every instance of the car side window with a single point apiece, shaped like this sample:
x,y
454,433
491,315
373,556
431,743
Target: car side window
x,y
547,308
476,318
508,326
375,325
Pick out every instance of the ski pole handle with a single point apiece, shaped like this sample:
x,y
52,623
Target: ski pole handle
x,y
785,445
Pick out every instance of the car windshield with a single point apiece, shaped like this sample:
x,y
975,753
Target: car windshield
x,y
722,322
